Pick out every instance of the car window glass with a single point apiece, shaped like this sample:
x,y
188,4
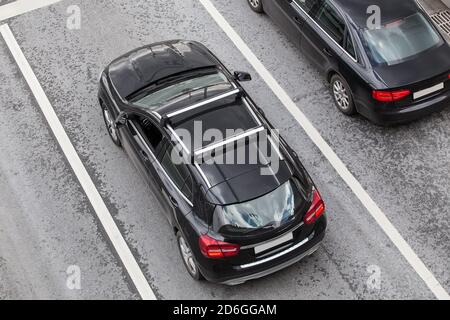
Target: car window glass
x,y
151,132
331,22
400,40
274,208
177,171
187,188
349,47
307,5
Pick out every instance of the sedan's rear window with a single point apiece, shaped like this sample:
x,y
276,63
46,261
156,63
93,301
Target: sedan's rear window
x,y
400,40
268,211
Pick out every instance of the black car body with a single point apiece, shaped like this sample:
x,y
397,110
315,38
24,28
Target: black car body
x,y
392,72
222,213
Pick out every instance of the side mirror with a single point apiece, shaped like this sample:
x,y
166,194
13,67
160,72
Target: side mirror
x,y
242,76
121,119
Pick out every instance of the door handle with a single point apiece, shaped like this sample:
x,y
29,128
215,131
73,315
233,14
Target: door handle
x,y
327,52
173,201
144,155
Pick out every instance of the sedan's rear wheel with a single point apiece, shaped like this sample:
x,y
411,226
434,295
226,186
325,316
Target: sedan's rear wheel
x,y
256,5
110,125
342,95
188,257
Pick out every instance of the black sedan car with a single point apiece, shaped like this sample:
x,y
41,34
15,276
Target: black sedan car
x,y
235,220
393,70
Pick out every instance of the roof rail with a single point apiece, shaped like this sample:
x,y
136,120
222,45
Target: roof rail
x,y
232,139
166,117
178,139
188,153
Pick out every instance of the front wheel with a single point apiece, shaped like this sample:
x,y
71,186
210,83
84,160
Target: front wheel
x,y
110,126
188,257
256,5
342,95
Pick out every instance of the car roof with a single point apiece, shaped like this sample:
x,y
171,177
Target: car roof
x,y
391,10
238,180
144,66
229,114
237,183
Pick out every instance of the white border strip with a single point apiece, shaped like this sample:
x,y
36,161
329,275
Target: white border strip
x,y
388,228
229,140
85,180
19,7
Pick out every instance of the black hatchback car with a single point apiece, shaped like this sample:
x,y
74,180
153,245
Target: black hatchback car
x,y
392,70
234,220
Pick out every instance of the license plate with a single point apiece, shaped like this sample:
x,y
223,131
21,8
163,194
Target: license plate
x,y
423,93
274,243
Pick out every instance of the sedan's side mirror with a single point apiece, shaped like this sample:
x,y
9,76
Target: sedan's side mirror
x,y
242,76
121,119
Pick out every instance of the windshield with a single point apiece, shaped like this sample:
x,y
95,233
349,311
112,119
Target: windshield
x,y
400,40
191,89
269,211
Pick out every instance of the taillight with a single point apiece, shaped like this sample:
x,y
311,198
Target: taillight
x,y
214,249
390,96
449,75
316,210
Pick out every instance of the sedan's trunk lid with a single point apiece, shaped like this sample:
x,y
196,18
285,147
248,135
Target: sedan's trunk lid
x,y
425,77
425,67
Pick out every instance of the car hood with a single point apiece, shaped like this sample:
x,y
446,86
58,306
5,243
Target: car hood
x,y
144,66
428,65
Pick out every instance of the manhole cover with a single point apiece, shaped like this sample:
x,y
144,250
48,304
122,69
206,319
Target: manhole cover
x,y
442,19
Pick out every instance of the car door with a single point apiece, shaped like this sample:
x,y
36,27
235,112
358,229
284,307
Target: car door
x,y
287,17
176,182
164,178
324,36
141,153
143,141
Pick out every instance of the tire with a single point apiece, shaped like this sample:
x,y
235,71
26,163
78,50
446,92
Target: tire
x,y
256,5
109,123
188,258
342,95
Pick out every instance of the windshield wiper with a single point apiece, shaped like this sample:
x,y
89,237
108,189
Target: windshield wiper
x,y
269,226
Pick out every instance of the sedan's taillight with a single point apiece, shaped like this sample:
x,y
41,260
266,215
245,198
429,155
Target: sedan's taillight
x,y
390,96
214,249
316,210
449,75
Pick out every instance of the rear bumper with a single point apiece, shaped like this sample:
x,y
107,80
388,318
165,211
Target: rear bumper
x,y
236,281
239,274
394,116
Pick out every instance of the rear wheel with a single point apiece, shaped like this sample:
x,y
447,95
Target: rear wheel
x,y
256,5
110,126
342,95
188,257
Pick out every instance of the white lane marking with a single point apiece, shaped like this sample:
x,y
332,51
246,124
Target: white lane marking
x,y
19,7
388,228
74,160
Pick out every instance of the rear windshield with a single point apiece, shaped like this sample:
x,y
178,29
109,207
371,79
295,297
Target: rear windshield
x,y
191,89
267,212
400,40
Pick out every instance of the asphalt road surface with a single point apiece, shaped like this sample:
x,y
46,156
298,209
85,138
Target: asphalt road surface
x,y
49,227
